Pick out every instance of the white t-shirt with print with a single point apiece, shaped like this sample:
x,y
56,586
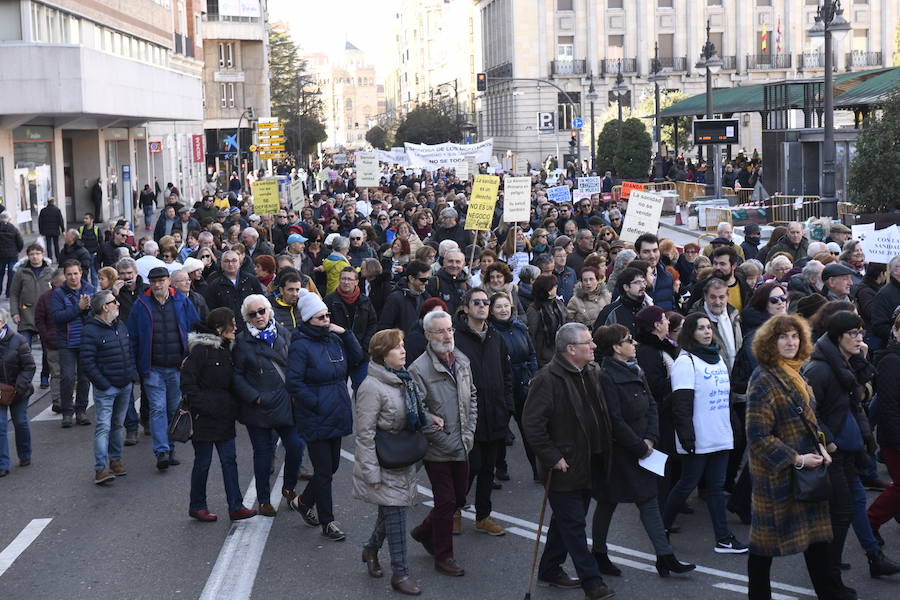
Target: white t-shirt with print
x,y
712,417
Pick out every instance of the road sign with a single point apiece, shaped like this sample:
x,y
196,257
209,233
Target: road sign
x,y
577,123
546,121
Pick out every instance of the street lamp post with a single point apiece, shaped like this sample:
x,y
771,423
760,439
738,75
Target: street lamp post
x,y
592,97
830,23
249,113
712,64
620,89
657,76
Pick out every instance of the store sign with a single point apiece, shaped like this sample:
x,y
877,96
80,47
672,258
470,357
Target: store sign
x,y
155,147
197,147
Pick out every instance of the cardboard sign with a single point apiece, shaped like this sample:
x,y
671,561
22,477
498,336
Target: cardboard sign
x,y
482,203
339,159
879,246
644,209
298,198
628,187
578,196
462,171
367,172
521,165
472,164
589,185
559,194
516,199
266,199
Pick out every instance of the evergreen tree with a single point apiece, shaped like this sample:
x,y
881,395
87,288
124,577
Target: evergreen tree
x,y
875,170
378,137
633,152
427,124
607,142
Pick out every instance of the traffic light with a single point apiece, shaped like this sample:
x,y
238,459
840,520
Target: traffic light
x,y
572,142
481,82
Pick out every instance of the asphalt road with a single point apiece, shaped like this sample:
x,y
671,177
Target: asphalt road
x,y
63,537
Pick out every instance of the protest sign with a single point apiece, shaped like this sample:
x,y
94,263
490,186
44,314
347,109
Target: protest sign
x,y
521,166
589,185
628,187
339,159
367,172
298,200
266,200
481,205
516,199
394,156
578,195
644,209
559,194
446,155
880,245
472,164
462,171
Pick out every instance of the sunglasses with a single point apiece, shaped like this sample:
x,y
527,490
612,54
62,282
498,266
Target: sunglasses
x,y
778,299
627,340
423,279
257,313
481,302
355,239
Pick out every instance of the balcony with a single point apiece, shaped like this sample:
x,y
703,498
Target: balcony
x,y
811,60
675,64
860,58
567,67
226,27
764,62
610,66
729,63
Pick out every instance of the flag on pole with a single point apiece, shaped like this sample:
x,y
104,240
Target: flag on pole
x,y
778,38
765,39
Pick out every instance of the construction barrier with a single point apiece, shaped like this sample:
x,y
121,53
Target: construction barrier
x,y
784,209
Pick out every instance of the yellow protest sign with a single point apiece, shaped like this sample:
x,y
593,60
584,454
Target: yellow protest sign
x,y
266,200
481,205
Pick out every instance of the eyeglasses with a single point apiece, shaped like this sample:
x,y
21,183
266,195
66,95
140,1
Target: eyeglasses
x,y
382,218
230,260
113,301
638,282
855,333
835,253
355,239
257,313
480,302
778,299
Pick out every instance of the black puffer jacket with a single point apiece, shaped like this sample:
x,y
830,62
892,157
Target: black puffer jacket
x,y
106,354
492,378
836,385
887,386
650,352
259,380
222,292
362,322
77,252
16,364
401,309
11,242
206,386
886,301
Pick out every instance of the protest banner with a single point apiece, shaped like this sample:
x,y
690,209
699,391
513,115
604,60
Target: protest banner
x,y
644,209
481,205
559,194
521,166
446,155
266,200
367,172
394,156
628,187
298,199
880,245
516,199
589,185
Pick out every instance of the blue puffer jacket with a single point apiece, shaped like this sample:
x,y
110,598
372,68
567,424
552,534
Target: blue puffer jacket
x,y
318,365
69,318
663,292
256,377
140,326
106,354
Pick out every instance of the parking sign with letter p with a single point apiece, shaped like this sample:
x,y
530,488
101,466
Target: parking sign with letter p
x,y
546,121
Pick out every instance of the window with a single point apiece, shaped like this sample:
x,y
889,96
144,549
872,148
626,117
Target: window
x,y
759,43
716,38
566,110
197,29
230,88
860,40
714,2
615,46
664,4
666,45
614,4
226,95
565,5
565,48
226,55
764,2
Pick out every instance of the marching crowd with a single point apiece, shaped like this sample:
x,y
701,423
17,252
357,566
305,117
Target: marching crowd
x,y
767,372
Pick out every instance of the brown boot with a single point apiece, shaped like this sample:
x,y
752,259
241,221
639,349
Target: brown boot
x,y
457,522
266,509
370,557
103,476
450,567
405,585
117,468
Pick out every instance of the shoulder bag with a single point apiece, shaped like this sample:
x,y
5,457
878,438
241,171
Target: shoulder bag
x,y
810,484
401,449
182,427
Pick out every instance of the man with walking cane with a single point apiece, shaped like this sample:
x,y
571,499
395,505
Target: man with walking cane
x,y
567,425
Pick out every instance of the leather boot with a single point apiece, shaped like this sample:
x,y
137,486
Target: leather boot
x,y
370,557
405,585
667,562
880,565
605,565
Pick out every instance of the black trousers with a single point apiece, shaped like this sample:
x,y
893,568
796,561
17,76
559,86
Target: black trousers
x,y
566,536
840,473
325,456
816,557
482,459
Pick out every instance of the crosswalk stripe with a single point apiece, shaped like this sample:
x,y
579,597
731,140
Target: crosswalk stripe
x,y
21,543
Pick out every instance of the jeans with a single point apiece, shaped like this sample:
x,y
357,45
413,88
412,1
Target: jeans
x,y
482,459
860,519
52,243
72,379
391,524
325,456
566,535
692,469
816,556
163,394
18,412
148,216
200,473
887,504
263,448
7,266
109,433
650,518
449,481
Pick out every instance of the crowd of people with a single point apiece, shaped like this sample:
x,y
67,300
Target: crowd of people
x,y
374,312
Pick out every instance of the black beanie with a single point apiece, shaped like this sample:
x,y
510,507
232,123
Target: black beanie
x,y
841,322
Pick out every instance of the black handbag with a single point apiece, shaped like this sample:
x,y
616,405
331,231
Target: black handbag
x,y
401,449
182,427
811,485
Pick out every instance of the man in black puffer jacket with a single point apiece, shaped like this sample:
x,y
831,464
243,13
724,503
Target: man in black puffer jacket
x,y
106,360
484,347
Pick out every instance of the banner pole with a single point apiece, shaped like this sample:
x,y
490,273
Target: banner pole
x,y
472,255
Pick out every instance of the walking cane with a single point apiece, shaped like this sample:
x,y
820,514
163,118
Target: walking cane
x,y
537,540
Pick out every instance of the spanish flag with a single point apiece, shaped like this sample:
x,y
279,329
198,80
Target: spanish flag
x,y
765,39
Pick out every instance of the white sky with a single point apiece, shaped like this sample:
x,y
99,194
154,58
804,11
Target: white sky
x,y
326,25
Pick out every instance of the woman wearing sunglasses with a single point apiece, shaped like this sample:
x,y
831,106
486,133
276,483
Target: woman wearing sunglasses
x,y
319,361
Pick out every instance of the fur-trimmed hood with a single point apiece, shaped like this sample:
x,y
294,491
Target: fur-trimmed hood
x,y
24,261
204,339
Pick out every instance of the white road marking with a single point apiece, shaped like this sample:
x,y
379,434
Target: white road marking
x,y
743,590
235,570
527,529
48,415
21,543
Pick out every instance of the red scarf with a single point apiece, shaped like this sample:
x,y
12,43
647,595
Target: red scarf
x,y
349,298
265,281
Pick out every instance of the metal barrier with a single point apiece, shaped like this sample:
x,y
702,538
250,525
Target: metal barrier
x,y
794,208
688,190
745,195
658,187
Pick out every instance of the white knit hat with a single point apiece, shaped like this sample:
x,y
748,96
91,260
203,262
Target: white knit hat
x,y
309,305
192,264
